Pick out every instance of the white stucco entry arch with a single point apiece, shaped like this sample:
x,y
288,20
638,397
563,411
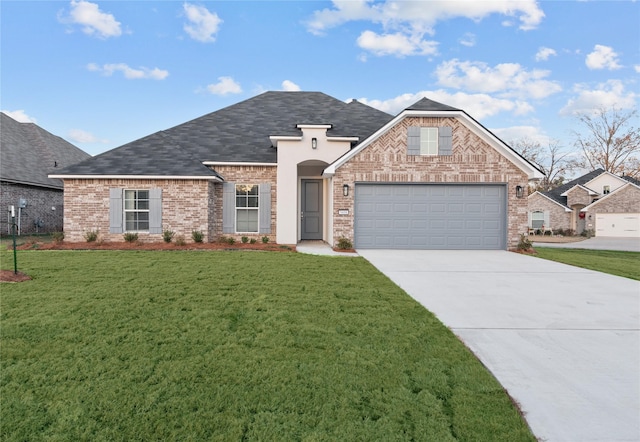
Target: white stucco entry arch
x,y
299,156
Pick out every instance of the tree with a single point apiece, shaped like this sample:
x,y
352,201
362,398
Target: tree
x,y
610,141
552,160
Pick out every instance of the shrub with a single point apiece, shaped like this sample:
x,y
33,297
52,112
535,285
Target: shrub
x,y
569,232
231,241
130,237
524,244
253,241
265,239
344,243
589,233
57,236
547,232
197,236
91,235
244,239
167,235
180,240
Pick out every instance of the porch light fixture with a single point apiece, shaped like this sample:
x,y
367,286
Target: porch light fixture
x,y
519,191
314,143
345,190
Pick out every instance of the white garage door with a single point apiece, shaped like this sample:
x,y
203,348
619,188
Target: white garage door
x,y
430,216
618,224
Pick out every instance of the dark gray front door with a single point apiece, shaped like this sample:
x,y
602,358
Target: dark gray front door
x,y
311,209
430,216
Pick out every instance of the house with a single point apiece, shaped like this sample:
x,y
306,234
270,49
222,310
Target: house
x,y
295,166
607,204
28,154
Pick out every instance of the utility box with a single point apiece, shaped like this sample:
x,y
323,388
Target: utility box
x,y
22,203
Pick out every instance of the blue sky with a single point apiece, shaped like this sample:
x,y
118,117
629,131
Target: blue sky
x,y
104,73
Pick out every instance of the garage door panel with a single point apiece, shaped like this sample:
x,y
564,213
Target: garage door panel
x,y
618,225
423,216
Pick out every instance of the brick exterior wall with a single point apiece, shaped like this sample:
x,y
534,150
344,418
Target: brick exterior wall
x,y
40,201
625,200
578,196
558,217
187,205
246,175
473,161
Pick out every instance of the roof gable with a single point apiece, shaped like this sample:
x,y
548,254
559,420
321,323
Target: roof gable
x,y
29,153
429,108
613,194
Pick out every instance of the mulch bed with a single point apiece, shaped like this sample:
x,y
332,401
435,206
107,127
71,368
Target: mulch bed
x,y
9,276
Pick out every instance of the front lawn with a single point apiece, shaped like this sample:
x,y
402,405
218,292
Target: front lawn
x,y
193,345
625,264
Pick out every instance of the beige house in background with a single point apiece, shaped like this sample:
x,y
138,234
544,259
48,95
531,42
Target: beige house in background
x,y
295,166
607,204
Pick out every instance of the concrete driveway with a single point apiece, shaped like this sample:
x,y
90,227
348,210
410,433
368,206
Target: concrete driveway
x,y
563,341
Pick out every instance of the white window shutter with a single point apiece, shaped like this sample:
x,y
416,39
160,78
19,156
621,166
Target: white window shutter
x,y
115,210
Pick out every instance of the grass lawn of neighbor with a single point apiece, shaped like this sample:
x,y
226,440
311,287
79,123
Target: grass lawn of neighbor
x,y
626,264
194,345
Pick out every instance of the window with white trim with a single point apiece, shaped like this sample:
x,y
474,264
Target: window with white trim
x,y
136,210
247,204
428,141
537,219
606,190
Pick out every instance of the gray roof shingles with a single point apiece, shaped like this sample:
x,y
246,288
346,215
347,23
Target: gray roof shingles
x,y
28,154
555,194
238,133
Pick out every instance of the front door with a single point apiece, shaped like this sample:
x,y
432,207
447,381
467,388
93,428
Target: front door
x,y
311,209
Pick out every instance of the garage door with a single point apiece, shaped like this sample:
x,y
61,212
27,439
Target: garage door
x,y
618,224
430,216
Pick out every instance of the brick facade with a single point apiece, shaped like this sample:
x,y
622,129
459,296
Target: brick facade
x,y
43,213
559,218
578,197
473,161
247,175
187,205
625,200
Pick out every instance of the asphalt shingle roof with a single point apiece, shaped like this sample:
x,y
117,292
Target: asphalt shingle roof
x,y
554,194
28,154
429,105
238,133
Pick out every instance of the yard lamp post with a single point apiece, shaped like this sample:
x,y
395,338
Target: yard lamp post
x,y
12,209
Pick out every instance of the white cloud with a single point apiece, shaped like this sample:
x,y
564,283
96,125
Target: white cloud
x,y
637,68
405,24
605,95
602,57
508,79
288,85
128,72
543,53
468,40
203,24
224,86
81,136
396,44
478,105
94,22
20,116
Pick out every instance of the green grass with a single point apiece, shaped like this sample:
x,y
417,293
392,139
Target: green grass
x,y
185,345
626,264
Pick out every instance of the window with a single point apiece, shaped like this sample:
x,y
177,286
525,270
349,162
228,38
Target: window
x,y
428,141
136,210
606,190
537,220
247,203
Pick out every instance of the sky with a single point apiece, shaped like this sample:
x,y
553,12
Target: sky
x,y
104,73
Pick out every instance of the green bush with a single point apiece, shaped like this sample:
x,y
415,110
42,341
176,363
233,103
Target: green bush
x,y
524,244
589,233
253,241
197,236
91,235
344,243
130,237
244,239
57,236
265,239
231,241
168,235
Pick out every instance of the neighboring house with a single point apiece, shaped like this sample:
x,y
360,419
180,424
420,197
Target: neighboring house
x,y
295,166
599,201
28,154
